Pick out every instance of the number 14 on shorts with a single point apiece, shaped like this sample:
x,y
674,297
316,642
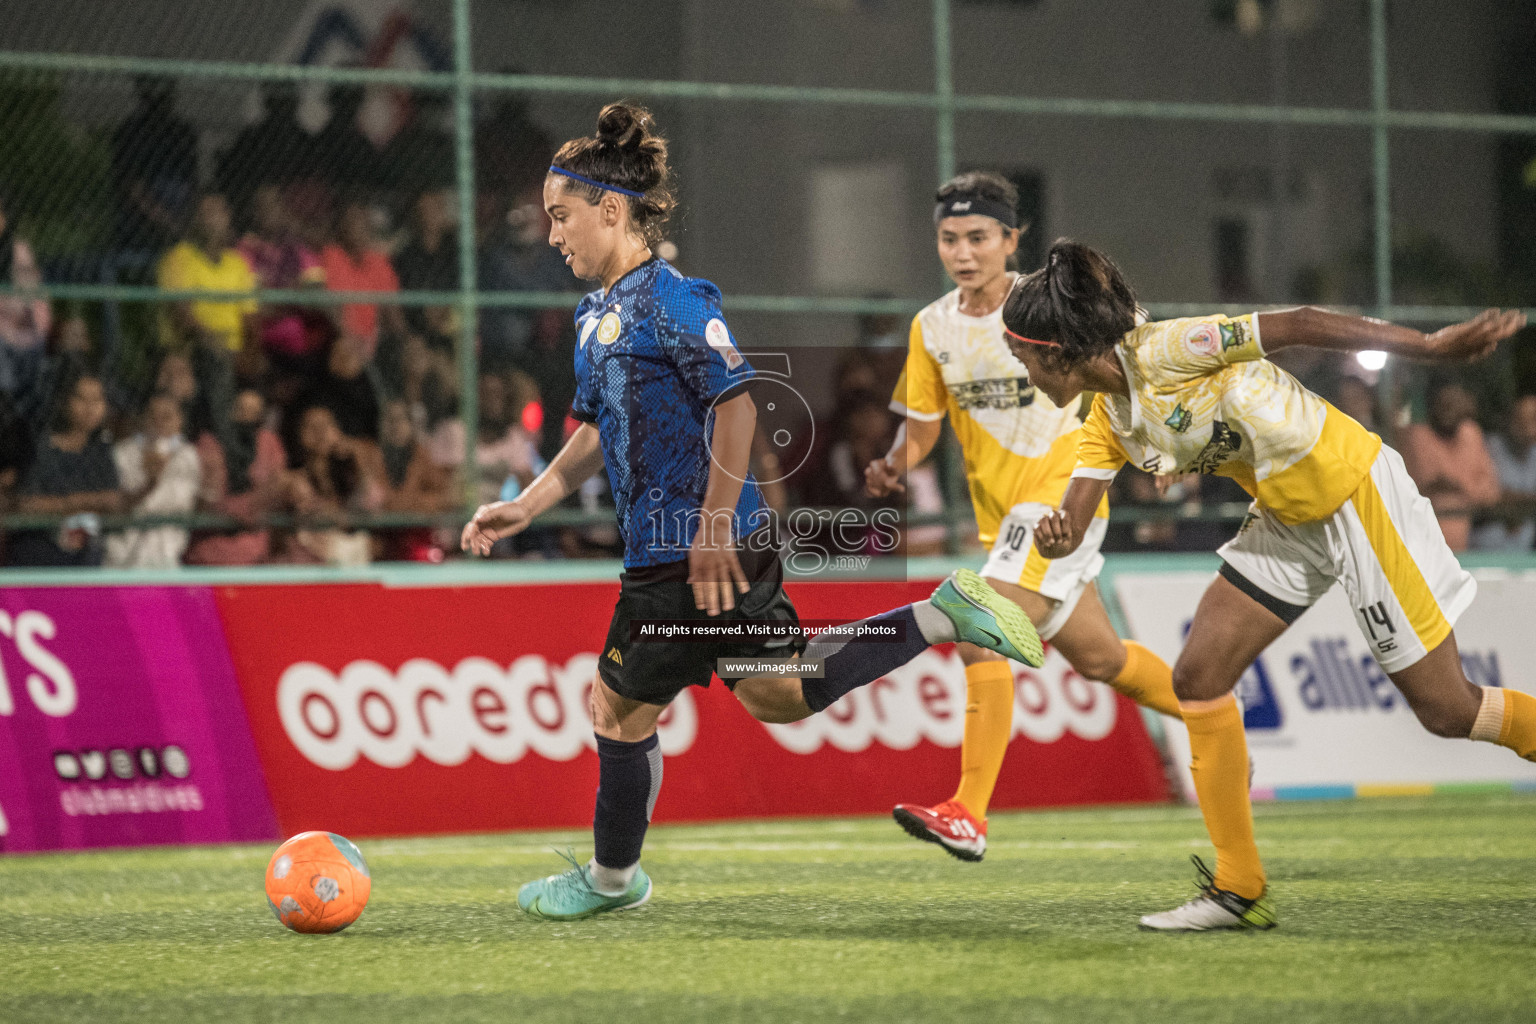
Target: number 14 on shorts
x,y
1374,615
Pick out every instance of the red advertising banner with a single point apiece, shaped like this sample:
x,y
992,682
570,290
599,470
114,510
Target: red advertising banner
x,y
382,710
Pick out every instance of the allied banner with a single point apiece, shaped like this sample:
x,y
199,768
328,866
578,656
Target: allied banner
x,y
394,710
1322,718
120,722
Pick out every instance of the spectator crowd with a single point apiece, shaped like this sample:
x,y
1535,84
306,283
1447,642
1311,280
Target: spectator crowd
x,y
264,431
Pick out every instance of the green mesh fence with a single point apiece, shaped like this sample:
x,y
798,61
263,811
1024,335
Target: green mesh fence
x,y
141,136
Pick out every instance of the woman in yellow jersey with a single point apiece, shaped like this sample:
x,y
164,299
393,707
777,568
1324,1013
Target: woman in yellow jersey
x,y
1332,504
1019,450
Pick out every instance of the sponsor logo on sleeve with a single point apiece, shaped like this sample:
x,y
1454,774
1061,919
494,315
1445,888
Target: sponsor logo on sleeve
x,y
1235,334
1203,339
719,338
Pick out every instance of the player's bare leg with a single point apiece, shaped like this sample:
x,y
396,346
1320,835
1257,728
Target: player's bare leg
x,y
1450,705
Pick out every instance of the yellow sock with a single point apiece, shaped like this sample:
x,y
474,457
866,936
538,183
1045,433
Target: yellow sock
x,y
1147,680
1219,763
988,727
1508,718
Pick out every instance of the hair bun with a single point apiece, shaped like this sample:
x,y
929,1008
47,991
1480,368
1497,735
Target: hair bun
x,y
623,125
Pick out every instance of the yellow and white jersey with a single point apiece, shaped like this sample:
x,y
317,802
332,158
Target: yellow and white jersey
x,y
1018,447
1203,399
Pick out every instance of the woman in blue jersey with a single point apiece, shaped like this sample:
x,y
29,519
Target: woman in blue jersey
x,y
664,398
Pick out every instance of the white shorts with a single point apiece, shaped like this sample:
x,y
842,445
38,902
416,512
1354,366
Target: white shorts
x,y
1063,580
1383,545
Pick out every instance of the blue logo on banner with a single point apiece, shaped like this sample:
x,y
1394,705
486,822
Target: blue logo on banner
x,y
1260,708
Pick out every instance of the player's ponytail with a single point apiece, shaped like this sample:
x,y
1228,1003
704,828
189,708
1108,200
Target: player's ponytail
x,y
1079,304
627,157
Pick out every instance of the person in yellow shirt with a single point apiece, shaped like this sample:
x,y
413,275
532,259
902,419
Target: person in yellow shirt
x,y
1019,450
206,261
1332,504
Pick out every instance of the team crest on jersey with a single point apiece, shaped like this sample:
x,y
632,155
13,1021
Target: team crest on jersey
x,y
1235,334
1225,443
608,328
719,339
1179,420
1203,339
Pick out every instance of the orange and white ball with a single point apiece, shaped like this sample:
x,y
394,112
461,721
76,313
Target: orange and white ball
x,y
317,882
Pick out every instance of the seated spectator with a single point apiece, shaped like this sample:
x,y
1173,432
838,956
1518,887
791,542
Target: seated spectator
x,y
1357,400
24,322
272,151
341,151
1449,461
218,332
160,475
1514,456
858,434
505,455
72,475
66,355
333,475
430,262
429,384
421,154
516,257
154,169
176,380
15,450
355,262
416,483
241,479
280,259
349,386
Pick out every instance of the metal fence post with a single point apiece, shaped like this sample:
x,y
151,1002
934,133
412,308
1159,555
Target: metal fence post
x,y
463,130
950,474
1380,169
1382,194
944,90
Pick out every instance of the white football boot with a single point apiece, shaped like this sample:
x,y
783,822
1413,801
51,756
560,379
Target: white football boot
x,y
1213,909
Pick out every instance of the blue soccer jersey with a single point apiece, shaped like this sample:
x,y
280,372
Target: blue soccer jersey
x,y
653,356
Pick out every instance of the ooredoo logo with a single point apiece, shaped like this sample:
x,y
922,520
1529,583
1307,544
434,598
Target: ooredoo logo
x,y
498,711
925,700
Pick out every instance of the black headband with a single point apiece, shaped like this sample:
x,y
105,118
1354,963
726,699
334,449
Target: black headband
x,y
966,204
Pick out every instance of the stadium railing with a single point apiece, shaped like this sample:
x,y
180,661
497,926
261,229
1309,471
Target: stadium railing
x,y
462,84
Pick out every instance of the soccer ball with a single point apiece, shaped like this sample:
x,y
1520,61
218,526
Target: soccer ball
x,y
317,882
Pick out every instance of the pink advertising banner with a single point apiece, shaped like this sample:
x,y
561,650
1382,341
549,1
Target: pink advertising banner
x,y
121,723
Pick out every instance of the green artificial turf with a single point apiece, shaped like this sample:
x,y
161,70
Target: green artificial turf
x,y
1390,910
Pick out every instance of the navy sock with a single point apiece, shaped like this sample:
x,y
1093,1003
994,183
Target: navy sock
x,y
628,779
850,661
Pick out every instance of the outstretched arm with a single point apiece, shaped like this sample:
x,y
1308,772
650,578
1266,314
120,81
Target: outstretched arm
x,y
1059,532
915,438
579,459
1464,342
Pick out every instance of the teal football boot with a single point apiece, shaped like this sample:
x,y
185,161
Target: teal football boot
x,y
987,619
569,896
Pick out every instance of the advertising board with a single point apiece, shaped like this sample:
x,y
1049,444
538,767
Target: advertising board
x,y
1322,719
120,722
429,709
